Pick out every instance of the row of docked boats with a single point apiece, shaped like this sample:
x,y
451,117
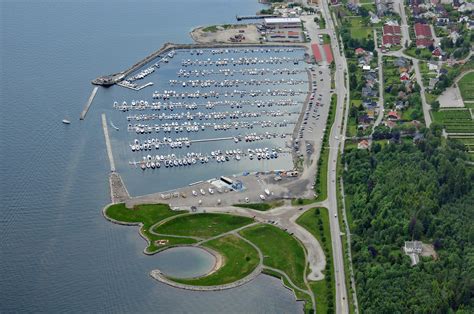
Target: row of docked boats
x,y
193,158
199,126
170,105
185,142
239,61
214,115
155,143
168,94
232,72
246,50
235,83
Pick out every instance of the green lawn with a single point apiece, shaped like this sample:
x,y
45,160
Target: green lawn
x,y
466,86
316,221
202,225
240,259
261,206
280,250
358,29
148,215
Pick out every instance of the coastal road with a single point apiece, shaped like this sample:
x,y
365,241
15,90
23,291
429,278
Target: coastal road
x,y
336,141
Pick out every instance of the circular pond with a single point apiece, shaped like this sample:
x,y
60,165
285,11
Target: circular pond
x,y
185,262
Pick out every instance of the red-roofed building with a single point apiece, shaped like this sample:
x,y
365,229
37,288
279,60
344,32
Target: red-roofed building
x,y
437,52
424,42
392,35
316,53
404,76
359,51
391,40
393,115
391,30
328,52
364,144
422,31
424,38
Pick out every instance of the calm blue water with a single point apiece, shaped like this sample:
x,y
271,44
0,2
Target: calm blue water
x,y
185,262
57,252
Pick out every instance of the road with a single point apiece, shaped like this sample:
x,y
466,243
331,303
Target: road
x,y
400,8
335,142
381,83
406,38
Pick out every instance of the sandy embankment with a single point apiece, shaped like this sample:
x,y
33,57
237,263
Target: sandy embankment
x,y
221,34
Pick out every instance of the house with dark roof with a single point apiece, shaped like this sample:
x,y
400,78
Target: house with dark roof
x,y
368,92
402,62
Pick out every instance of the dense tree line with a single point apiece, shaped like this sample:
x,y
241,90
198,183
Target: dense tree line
x,y
401,192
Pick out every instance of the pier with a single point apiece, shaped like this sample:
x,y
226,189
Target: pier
x,y
107,143
88,103
254,17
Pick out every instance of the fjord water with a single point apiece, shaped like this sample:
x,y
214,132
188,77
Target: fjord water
x,y
57,252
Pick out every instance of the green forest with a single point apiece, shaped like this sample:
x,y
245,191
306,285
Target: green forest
x,y
401,192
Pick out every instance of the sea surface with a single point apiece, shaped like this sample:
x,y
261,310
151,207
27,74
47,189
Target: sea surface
x,y
57,252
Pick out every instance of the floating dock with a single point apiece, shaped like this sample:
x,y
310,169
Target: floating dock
x,y
107,143
88,103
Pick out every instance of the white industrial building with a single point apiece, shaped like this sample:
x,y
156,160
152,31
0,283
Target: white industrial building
x,y
282,22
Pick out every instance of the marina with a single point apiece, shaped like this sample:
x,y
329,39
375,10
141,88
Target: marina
x,y
210,108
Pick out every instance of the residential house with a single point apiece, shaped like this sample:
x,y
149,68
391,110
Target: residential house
x,y
433,82
404,76
402,62
424,38
392,35
393,116
368,92
433,66
413,247
364,144
437,52
359,51
363,120
383,7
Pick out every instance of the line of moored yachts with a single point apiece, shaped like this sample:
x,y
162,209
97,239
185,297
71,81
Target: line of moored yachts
x,y
170,105
181,142
168,94
198,126
232,72
193,158
215,115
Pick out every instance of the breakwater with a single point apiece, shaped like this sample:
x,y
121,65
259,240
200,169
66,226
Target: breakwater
x,y
88,103
108,80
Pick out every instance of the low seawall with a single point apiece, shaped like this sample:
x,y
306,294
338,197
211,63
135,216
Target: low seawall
x,y
158,275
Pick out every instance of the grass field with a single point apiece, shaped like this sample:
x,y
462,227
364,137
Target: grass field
x,y
358,29
280,250
466,86
148,215
316,221
240,259
261,206
202,225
